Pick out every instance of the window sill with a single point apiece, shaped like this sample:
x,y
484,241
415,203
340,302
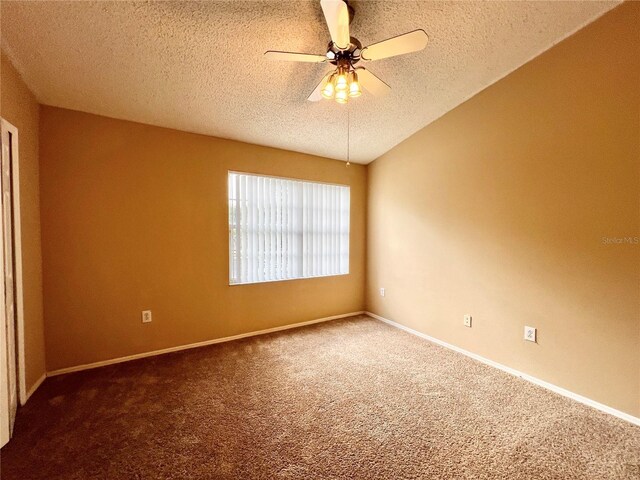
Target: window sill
x,y
288,279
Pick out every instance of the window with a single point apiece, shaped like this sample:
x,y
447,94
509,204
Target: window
x,y
281,229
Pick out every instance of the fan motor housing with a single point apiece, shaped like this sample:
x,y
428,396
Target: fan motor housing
x,y
350,55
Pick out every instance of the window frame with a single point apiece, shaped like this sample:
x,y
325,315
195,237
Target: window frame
x,y
295,179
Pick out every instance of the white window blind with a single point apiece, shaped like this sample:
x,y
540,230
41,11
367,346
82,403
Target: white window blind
x,y
280,229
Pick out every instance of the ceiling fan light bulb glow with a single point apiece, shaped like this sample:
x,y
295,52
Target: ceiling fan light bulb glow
x,y
341,82
354,90
328,90
354,86
342,96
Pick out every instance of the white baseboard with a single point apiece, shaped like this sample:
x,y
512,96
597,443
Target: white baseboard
x,y
34,387
524,376
128,358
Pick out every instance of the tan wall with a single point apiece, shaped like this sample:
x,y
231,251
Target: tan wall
x,y
134,217
19,107
498,210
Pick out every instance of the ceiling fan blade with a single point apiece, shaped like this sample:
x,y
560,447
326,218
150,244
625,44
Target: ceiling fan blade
x,y
294,57
371,83
405,43
316,95
336,13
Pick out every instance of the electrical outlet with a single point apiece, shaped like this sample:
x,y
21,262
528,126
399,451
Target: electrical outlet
x,y
530,334
467,321
146,316
382,292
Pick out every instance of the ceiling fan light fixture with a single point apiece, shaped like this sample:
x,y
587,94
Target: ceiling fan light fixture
x,y
354,85
342,96
341,81
329,90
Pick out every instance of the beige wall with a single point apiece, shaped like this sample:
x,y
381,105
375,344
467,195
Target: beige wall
x,y
498,209
19,107
134,217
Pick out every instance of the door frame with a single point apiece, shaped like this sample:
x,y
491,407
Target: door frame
x,y
7,128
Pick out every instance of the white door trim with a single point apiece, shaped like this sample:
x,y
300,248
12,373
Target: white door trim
x,y
17,234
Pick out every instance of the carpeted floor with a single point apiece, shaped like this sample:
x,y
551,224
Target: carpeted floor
x,y
352,399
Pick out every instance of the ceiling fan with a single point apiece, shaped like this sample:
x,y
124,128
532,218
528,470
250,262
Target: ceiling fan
x,y
345,52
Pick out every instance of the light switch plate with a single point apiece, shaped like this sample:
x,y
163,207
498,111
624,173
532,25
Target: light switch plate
x,y
467,321
530,334
382,292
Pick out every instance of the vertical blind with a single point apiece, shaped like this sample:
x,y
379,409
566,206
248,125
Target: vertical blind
x,y
280,229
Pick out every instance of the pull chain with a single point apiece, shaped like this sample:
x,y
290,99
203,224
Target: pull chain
x,y
348,135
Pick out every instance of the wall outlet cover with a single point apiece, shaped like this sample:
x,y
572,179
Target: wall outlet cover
x,y
146,316
530,334
467,321
382,291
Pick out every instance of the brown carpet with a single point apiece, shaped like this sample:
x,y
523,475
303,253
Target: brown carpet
x,y
352,398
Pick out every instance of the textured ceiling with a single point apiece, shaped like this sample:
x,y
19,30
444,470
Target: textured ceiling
x,y
199,66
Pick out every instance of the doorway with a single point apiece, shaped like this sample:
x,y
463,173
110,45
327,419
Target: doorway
x,y
12,374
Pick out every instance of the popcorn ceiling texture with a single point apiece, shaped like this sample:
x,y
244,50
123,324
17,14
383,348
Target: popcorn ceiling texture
x,y
199,66
349,399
